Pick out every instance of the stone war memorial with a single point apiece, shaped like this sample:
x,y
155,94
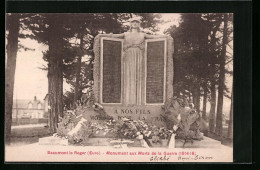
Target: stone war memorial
x,y
133,75
132,97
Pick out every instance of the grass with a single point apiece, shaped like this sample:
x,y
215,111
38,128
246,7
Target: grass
x,y
30,135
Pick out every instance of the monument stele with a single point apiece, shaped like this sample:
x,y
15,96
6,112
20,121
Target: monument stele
x,y
133,74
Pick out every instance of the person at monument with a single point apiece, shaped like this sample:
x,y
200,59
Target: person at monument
x,y
133,59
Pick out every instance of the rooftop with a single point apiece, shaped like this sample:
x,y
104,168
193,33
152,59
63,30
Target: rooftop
x,y
24,103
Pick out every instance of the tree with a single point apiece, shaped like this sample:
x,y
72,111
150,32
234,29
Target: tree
x,y
213,53
215,50
221,84
212,100
191,56
78,69
205,98
55,74
230,123
84,28
51,30
13,26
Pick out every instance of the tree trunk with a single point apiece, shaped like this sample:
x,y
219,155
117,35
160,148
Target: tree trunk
x,y
12,47
52,120
213,78
196,98
50,72
230,123
55,74
205,96
60,86
221,79
212,101
76,94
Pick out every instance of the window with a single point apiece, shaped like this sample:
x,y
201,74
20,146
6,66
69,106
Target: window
x,y
34,115
39,105
30,106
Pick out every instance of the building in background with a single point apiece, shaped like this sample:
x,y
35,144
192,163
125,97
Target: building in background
x,y
29,111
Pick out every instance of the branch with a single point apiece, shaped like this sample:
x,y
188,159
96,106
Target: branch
x,y
230,46
229,53
43,67
229,61
20,46
229,41
227,96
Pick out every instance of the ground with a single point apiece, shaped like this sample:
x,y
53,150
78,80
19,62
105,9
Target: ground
x,y
224,140
28,134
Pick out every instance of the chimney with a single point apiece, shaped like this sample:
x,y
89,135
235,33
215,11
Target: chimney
x,y
35,98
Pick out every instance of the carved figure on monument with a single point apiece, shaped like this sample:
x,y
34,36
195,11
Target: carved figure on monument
x,y
133,65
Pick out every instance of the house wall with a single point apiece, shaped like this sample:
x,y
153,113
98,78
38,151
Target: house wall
x,y
34,113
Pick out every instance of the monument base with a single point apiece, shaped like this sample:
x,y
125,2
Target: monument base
x,y
205,143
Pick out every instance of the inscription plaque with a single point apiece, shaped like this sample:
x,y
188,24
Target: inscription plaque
x,y
111,71
155,72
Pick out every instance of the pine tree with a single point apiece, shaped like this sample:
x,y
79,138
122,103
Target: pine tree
x,y
51,30
213,51
230,123
191,56
221,84
13,26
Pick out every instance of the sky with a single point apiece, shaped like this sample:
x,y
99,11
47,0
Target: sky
x,y
32,81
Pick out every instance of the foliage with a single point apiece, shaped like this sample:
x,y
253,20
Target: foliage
x,y
197,47
131,129
180,119
82,135
67,123
126,129
185,120
190,55
120,129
